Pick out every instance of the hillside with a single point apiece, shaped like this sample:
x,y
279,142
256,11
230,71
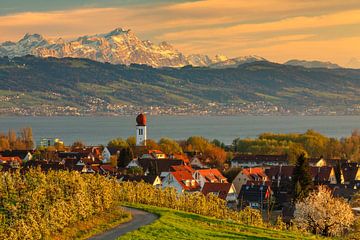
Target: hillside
x,y
312,64
181,225
29,82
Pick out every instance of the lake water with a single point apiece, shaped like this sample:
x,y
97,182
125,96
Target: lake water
x,y
99,130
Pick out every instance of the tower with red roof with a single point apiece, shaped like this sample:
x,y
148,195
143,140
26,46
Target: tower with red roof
x,y
141,130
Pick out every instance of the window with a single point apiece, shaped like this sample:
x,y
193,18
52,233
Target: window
x,y
141,131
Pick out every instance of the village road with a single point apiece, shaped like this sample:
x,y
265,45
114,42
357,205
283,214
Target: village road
x,y
139,218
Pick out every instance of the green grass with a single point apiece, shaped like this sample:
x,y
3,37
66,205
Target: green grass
x,y
174,224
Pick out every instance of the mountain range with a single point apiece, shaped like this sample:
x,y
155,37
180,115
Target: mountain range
x,y
65,82
122,46
119,46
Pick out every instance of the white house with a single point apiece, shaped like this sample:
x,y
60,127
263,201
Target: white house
x,y
182,181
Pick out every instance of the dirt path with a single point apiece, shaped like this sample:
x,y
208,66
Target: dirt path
x,y
139,218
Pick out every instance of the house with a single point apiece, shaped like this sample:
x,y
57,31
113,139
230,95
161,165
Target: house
x,y
225,191
321,162
323,175
153,154
254,175
133,163
249,160
106,155
182,181
158,166
24,155
317,162
345,191
151,179
12,161
182,168
212,175
351,173
255,196
280,176
197,163
67,155
108,152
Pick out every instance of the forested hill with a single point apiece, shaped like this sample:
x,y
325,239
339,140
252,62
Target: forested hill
x,y
72,82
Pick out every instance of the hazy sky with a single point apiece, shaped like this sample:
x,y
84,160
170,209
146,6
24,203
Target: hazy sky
x,y
275,29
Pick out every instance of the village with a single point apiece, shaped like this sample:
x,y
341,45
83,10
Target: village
x,y
262,182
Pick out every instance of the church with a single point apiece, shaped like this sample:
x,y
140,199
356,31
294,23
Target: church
x,y
141,130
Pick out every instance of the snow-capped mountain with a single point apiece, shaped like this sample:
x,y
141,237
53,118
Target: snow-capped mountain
x,y
234,62
119,46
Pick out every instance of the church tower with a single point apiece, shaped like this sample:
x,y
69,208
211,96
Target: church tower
x,y
141,130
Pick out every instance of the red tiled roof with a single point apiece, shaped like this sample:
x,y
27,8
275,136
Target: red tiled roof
x,y
10,159
182,157
182,168
254,173
212,175
182,176
221,189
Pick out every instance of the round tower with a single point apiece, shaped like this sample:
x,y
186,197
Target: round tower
x,y
141,130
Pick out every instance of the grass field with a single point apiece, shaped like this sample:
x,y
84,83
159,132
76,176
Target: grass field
x,y
180,225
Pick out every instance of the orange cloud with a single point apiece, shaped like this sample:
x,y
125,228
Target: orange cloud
x,y
270,28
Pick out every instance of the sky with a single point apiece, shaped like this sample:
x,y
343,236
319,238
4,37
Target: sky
x,y
278,30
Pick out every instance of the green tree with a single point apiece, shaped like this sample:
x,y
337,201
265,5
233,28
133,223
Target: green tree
x,y
169,146
125,157
78,144
118,143
131,141
197,143
302,179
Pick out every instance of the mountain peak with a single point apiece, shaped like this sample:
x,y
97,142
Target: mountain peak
x,y
117,31
32,37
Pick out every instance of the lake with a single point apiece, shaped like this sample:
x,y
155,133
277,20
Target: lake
x,y
99,130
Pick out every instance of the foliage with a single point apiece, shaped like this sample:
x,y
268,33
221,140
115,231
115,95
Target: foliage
x,y
310,143
321,213
173,224
199,144
131,141
355,200
209,205
22,141
151,144
35,205
169,146
118,143
337,170
78,144
95,224
217,143
301,179
125,157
